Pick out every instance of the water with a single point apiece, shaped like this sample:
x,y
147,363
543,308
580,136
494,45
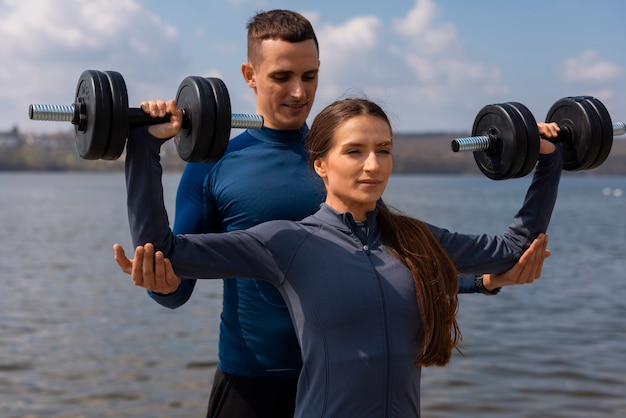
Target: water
x,y
79,340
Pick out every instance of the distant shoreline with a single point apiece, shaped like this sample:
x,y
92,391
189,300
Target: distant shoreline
x,y
419,153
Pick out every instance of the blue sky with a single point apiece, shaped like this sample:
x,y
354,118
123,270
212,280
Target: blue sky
x,y
432,64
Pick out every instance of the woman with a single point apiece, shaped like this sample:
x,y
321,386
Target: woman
x,y
353,273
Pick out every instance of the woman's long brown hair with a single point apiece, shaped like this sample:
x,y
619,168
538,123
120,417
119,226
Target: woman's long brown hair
x,y
410,240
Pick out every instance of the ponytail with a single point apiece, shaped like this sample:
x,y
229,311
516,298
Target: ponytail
x,y
435,281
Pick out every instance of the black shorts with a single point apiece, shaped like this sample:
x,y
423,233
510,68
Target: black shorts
x,y
246,397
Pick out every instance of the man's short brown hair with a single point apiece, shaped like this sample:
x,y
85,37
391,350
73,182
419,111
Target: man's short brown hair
x,y
284,25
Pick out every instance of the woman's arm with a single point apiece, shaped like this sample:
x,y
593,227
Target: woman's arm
x,y
236,254
480,254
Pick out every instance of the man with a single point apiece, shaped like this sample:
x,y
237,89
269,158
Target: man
x,y
263,176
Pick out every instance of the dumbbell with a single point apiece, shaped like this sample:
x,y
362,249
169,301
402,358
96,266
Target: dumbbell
x,y
102,118
586,131
505,141
498,136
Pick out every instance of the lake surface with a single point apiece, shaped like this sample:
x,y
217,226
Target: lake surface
x,y
79,340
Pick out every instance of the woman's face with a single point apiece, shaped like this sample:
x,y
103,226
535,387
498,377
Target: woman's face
x,y
357,167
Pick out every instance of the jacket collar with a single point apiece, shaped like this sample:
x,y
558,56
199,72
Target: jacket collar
x,y
343,221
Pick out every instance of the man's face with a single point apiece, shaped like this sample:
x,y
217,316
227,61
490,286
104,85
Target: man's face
x,y
284,80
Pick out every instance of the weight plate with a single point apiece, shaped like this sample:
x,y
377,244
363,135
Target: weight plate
x,y
502,160
531,154
119,116
223,120
606,126
93,97
196,98
595,140
521,142
578,126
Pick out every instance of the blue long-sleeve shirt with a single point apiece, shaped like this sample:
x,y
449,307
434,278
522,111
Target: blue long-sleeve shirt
x,y
353,305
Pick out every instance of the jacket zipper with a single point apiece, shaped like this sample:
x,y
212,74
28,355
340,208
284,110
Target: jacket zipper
x,y
366,250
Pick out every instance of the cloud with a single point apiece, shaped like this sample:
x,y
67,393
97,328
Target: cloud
x,y
589,67
435,53
421,28
416,62
47,45
350,49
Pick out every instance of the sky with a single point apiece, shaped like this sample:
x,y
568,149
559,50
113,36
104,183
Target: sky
x,y
431,64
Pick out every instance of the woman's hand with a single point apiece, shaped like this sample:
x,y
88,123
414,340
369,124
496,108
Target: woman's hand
x,y
148,269
159,109
526,270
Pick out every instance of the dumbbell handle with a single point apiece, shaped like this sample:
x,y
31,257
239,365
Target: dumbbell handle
x,y
472,143
136,116
484,142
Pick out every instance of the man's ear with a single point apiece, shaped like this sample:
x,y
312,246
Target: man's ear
x,y
248,74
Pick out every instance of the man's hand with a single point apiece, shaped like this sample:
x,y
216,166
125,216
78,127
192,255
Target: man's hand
x,y
527,269
151,271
